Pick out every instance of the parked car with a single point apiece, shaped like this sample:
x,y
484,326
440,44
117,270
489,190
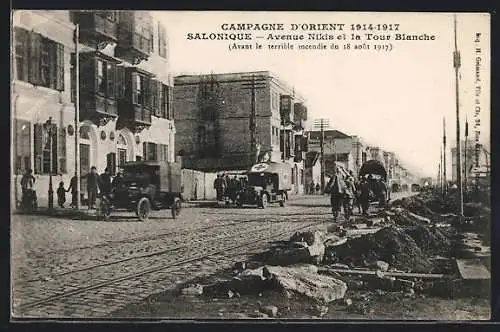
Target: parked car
x,y
267,183
147,186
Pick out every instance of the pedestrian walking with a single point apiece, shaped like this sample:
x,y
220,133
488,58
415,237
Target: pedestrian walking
x,y
92,186
350,192
74,192
364,196
61,195
318,189
336,187
105,182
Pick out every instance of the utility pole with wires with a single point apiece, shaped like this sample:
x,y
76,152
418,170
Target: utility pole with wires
x,y
456,65
322,124
255,82
445,181
77,116
465,153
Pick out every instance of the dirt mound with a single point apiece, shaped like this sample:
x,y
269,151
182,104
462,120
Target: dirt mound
x,y
430,240
391,245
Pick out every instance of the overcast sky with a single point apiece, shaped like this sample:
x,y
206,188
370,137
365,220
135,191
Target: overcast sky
x,y
393,99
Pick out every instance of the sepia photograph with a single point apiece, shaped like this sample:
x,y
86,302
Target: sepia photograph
x,y
250,165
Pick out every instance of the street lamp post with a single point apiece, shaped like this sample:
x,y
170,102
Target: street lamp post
x,y
50,132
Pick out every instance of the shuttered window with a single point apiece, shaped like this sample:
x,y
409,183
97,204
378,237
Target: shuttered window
x,y
22,40
162,41
22,146
162,152
111,163
149,151
40,60
42,150
120,82
156,97
61,152
167,102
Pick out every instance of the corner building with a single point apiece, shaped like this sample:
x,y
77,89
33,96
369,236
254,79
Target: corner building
x,y
125,90
220,128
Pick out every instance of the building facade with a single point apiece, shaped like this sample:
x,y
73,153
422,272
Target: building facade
x,y
338,147
228,122
125,93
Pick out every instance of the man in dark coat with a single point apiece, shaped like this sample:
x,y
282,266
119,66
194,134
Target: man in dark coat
x,y
105,182
74,191
92,186
364,195
336,187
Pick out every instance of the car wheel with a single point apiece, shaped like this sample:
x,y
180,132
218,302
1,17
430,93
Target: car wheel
x,y
263,201
143,209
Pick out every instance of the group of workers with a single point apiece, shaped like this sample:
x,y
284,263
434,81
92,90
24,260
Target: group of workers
x,y
227,187
345,192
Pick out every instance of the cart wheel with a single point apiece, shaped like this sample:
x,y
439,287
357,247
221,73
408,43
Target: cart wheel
x,y
263,201
176,208
143,209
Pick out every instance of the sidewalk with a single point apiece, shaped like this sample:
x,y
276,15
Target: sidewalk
x,y
59,212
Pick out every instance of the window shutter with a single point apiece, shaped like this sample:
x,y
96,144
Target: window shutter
x,y
93,73
111,162
38,147
164,101
61,150
60,67
148,92
22,53
145,151
111,80
120,82
132,85
159,151
170,109
35,58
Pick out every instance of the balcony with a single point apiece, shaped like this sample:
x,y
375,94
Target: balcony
x,y
135,105
97,28
98,101
135,34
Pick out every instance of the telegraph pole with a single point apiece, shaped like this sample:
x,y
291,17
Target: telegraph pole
x,y
465,153
322,123
441,187
77,115
456,65
445,181
256,82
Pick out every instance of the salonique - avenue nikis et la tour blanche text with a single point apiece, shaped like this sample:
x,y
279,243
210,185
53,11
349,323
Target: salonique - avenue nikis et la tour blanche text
x,y
309,31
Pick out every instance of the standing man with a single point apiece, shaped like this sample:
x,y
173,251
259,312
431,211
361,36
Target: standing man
x,y
219,187
382,192
364,195
27,185
337,192
350,192
105,182
92,186
74,192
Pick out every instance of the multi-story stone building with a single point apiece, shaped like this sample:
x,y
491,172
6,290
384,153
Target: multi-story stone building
x,y
220,128
125,91
338,147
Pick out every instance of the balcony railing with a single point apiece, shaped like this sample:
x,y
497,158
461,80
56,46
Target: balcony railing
x,y
105,26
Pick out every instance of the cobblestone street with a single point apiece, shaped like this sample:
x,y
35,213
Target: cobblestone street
x,y
88,268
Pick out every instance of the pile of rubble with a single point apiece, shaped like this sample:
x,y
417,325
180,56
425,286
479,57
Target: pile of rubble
x,y
402,249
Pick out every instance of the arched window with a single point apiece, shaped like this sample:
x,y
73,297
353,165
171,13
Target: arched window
x,y
121,145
